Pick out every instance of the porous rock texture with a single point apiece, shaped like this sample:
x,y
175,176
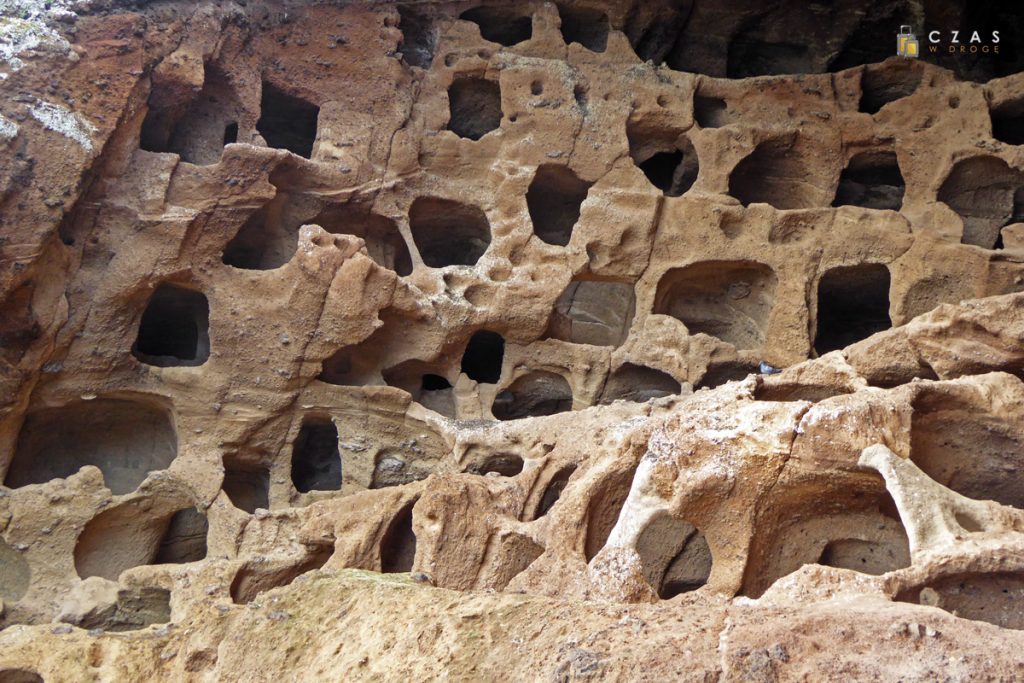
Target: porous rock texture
x,y
429,340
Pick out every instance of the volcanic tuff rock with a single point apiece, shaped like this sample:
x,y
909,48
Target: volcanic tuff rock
x,y
437,339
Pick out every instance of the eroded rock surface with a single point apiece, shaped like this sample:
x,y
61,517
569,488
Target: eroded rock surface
x,y
407,341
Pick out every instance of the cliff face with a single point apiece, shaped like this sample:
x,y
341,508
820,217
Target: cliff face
x,y
527,340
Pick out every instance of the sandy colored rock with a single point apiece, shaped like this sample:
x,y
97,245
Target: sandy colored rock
x,y
529,341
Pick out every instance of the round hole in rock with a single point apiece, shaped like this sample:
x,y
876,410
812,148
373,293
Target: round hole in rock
x,y
534,394
15,573
723,372
384,242
474,107
174,329
888,83
198,130
483,358
554,199
729,300
504,25
316,460
184,540
637,383
398,547
448,233
593,312
856,527
266,240
1008,123
125,439
853,304
553,491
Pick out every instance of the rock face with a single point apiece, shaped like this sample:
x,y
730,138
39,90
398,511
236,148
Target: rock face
x,y
421,340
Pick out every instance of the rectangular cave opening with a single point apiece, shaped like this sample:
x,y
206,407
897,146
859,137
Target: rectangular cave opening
x,y
174,329
247,484
316,459
286,121
853,304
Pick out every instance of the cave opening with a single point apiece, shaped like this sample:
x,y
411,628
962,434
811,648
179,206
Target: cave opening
x,y
174,329
384,242
199,133
535,394
484,356
286,121
553,490
710,112
135,533
584,25
184,539
419,37
554,199
637,383
882,85
984,192
398,546
474,106
503,25
775,173
729,300
1008,124
666,157
316,459
247,484
125,439
593,312
853,304
504,464
674,555
448,233
871,180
